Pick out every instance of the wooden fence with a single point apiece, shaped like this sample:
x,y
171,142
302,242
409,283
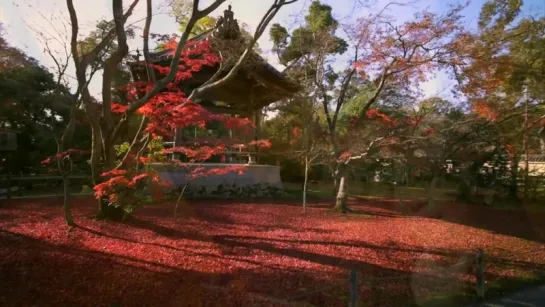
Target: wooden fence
x,y
11,185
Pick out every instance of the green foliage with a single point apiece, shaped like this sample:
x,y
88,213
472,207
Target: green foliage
x,y
86,189
279,36
102,28
319,17
499,13
317,32
36,106
121,149
155,149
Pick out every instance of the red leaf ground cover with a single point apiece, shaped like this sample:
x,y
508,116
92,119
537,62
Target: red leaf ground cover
x,y
253,254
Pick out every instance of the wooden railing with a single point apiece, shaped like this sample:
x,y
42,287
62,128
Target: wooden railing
x,y
10,185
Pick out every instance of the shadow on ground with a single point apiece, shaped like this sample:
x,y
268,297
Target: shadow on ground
x,y
518,223
247,262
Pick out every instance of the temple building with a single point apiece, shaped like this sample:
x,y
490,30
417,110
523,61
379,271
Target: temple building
x,y
256,85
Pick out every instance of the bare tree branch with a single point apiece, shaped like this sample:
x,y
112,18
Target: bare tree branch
x,y
269,15
196,14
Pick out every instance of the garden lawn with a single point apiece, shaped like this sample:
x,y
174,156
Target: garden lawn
x,y
258,254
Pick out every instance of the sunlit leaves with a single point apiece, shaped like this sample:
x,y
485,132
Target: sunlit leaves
x,y
257,251
166,113
318,32
405,54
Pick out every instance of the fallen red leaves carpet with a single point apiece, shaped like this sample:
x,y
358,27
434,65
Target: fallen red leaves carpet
x,y
253,254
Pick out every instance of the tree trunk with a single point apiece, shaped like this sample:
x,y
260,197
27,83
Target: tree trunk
x,y
341,204
407,177
335,175
513,187
105,211
178,201
96,151
66,204
464,189
305,186
431,192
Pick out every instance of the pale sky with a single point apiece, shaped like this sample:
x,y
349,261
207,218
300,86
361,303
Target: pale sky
x,y
22,16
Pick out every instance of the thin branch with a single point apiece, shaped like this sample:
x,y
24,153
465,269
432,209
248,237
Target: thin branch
x,y
173,69
364,154
151,76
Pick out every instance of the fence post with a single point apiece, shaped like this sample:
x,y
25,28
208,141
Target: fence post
x,y
353,279
8,188
479,274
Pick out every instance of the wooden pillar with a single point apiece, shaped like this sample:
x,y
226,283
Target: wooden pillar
x,y
253,149
175,142
257,131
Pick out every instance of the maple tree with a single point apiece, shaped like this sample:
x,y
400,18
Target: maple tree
x,y
385,53
500,72
305,139
436,132
160,102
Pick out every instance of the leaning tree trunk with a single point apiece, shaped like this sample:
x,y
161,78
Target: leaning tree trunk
x,y
341,204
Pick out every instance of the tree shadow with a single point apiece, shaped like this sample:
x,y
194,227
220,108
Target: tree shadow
x,y
41,273
295,268
517,223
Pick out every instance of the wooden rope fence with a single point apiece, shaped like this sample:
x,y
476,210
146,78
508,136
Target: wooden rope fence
x,y
353,280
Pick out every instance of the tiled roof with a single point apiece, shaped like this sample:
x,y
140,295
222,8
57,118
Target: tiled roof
x,y
533,158
225,26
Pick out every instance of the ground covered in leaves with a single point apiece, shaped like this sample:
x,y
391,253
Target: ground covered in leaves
x,y
257,254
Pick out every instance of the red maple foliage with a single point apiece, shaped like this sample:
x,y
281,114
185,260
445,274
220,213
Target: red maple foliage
x,y
380,117
62,155
257,254
167,112
428,131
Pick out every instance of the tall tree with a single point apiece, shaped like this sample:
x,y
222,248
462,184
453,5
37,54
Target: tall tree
x,y
501,72
389,54
106,125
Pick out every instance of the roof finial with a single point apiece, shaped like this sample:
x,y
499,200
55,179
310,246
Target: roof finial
x,y
228,13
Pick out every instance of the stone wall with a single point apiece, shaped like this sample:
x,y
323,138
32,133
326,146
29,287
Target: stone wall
x,y
253,174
